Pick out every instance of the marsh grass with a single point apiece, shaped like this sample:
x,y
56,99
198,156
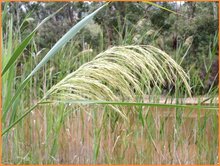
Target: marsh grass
x,y
70,131
92,132
90,135
56,47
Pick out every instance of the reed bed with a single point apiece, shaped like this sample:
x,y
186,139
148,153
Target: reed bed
x,y
102,106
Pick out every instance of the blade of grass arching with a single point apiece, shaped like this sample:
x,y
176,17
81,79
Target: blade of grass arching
x,y
24,44
69,35
161,7
143,104
111,103
211,107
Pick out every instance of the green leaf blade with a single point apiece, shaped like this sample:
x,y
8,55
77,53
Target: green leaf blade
x,y
69,35
25,43
18,52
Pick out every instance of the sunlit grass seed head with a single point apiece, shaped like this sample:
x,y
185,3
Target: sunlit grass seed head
x,y
118,74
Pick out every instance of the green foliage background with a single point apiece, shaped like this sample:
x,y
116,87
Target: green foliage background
x,y
127,23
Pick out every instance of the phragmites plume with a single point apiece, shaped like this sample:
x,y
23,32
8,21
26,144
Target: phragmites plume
x,y
119,74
